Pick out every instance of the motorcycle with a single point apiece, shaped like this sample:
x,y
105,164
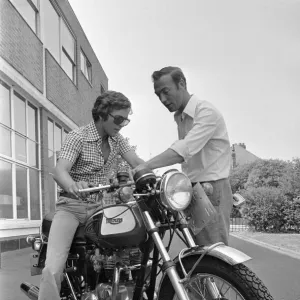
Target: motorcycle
x,y
119,254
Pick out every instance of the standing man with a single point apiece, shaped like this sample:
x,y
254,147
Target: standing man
x,y
203,148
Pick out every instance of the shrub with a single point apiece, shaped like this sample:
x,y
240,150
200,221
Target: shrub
x,y
264,208
268,209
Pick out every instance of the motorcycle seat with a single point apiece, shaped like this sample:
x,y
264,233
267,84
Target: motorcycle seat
x,y
46,225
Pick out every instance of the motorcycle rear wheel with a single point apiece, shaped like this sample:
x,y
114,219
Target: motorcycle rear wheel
x,y
233,282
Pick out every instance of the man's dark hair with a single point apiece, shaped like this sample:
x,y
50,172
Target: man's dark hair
x,y
108,102
175,72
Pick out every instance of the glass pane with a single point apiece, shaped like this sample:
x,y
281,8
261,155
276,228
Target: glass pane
x,y
50,135
57,138
20,148
51,163
82,62
35,213
19,115
5,141
26,11
85,68
4,106
6,199
67,65
32,122
33,154
67,40
51,27
21,186
64,136
89,71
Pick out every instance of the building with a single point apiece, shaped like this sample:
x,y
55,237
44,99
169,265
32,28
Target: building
x,y
49,80
240,155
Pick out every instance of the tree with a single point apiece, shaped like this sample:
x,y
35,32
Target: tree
x,y
239,176
271,189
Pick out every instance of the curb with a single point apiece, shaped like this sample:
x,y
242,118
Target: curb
x,y
281,250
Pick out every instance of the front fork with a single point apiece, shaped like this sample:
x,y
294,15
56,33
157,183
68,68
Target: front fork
x,y
210,284
168,265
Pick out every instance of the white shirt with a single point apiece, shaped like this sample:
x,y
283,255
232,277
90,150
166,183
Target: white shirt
x,y
203,141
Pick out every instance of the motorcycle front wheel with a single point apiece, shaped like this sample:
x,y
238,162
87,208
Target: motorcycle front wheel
x,y
233,282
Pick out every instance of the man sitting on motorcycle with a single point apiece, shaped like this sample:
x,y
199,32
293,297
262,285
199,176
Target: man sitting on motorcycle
x,y
88,155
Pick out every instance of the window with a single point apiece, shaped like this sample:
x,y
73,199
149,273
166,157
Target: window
x,y
19,157
102,90
56,136
59,40
86,67
51,29
68,51
28,10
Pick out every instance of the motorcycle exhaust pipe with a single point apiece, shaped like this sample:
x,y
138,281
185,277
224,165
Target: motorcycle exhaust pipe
x,y
30,290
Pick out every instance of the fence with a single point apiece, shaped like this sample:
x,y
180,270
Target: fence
x,y
238,224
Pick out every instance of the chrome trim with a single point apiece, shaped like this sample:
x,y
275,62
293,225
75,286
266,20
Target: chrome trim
x,y
116,281
163,186
70,285
228,254
146,174
182,255
171,271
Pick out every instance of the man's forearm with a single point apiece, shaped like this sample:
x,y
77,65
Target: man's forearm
x,y
167,158
62,178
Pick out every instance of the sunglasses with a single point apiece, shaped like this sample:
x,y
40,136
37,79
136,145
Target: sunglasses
x,y
119,120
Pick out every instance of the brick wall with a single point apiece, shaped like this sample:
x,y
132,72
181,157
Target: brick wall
x,y
75,100
19,45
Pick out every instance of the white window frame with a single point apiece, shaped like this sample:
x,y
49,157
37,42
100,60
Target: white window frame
x,y
63,130
89,67
62,50
15,221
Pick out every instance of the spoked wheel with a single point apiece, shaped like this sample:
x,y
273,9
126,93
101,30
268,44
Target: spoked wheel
x,y
232,282
197,288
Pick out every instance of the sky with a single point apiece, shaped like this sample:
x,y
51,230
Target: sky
x,y
242,56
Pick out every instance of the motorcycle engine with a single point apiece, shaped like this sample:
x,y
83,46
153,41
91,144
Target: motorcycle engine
x,y
107,261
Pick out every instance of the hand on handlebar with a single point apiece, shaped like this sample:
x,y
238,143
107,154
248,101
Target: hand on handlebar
x,y
139,168
76,186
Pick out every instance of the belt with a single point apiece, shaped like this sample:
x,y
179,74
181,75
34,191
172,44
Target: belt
x,y
68,195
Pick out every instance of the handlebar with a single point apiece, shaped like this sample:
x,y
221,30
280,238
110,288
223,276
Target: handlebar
x,y
105,187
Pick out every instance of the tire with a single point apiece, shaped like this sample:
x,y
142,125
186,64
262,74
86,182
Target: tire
x,y
241,278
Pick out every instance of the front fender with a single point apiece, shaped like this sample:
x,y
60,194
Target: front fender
x,y
228,254
225,253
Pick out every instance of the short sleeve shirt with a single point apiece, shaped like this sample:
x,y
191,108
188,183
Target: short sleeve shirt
x,y
82,147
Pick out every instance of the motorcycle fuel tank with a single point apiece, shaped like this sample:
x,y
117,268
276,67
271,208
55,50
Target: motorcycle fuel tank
x,y
116,226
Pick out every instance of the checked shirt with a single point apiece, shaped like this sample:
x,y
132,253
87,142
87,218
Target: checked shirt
x,y
82,147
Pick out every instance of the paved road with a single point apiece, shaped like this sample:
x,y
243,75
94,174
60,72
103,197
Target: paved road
x,y
15,269
280,273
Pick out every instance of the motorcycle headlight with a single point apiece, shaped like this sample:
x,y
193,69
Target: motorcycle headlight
x,y
176,191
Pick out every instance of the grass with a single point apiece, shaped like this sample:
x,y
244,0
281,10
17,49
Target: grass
x,y
289,241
